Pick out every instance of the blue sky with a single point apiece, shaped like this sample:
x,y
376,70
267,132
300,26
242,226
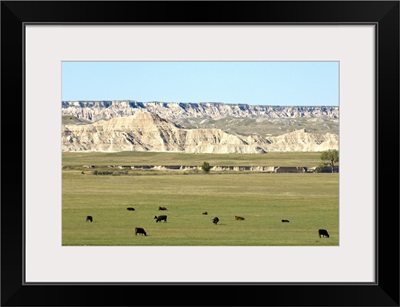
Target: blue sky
x,y
254,83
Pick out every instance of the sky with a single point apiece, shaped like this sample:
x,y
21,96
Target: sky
x,y
253,83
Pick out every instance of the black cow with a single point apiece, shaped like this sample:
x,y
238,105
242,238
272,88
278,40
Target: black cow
x,y
162,208
215,220
141,231
285,221
160,218
89,218
130,209
205,213
323,233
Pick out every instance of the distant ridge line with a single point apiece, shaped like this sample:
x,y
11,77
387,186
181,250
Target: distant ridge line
x,y
142,103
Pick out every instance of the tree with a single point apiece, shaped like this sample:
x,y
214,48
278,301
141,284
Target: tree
x,y
331,156
206,167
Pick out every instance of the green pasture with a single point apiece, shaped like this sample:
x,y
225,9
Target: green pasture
x,y
309,201
77,159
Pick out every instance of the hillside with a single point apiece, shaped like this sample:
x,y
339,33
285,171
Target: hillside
x,y
146,131
240,119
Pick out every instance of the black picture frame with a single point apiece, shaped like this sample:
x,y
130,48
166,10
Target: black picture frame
x,y
383,14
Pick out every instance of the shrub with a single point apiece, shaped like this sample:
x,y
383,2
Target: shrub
x,y
206,167
102,172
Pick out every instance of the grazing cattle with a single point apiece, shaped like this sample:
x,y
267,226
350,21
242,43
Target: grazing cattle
x,y
205,213
162,208
89,218
141,231
239,218
130,209
323,233
215,220
160,218
285,221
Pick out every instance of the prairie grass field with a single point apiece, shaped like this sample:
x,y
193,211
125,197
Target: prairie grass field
x,y
307,159
308,200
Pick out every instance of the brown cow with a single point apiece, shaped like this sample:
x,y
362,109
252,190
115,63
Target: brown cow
x,y
239,218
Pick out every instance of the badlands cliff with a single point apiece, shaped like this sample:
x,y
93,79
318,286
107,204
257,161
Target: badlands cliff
x,y
147,131
98,110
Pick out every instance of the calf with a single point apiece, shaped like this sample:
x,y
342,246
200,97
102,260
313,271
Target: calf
x,y
215,220
160,218
239,218
130,209
285,221
162,208
323,233
89,218
141,231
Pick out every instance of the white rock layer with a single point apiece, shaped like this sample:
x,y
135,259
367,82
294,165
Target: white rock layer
x,y
145,131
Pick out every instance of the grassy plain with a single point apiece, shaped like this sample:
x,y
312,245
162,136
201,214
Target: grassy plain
x,y
308,200
77,159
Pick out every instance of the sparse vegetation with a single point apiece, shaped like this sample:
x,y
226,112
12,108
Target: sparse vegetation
x,y
78,159
330,157
320,167
206,167
264,126
73,120
113,173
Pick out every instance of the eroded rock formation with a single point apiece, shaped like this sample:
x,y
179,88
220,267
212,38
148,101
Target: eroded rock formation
x,y
147,131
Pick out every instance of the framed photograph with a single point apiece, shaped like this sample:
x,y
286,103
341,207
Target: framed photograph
x,y
190,165
241,145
